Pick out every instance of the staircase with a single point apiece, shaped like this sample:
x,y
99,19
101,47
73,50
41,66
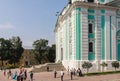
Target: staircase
x,y
52,66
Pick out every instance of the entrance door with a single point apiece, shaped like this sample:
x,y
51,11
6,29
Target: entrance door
x,y
61,54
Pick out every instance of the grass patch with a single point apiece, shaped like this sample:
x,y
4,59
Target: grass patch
x,y
102,73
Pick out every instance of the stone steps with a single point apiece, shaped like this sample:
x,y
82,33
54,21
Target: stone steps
x,y
52,66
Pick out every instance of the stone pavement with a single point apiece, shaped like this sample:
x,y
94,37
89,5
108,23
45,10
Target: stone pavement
x,y
48,76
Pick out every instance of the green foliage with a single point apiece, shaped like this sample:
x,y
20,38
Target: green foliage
x,y
87,65
11,50
43,52
5,45
16,50
102,73
115,64
104,65
51,54
11,66
40,50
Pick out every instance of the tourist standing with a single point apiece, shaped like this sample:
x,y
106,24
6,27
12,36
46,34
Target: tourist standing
x,y
68,70
47,68
4,72
62,74
25,74
71,74
79,72
15,75
21,75
31,76
55,73
9,73
74,71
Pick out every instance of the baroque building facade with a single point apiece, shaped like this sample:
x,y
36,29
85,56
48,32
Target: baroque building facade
x,y
88,30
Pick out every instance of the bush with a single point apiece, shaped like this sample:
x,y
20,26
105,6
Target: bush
x,y
102,73
87,65
115,64
104,65
11,66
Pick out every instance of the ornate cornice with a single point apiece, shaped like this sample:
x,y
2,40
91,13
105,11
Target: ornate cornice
x,y
82,5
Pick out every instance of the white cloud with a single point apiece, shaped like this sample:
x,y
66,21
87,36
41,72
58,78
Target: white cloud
x,y
7,25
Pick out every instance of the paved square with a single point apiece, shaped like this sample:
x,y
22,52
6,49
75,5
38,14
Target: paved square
x,y
48,76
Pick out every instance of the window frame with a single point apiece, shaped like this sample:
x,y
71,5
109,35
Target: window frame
x,y
91,1
89,28
92,47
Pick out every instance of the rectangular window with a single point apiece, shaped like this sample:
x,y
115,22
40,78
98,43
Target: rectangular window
x,y
90,0
90,26
118,24
90,47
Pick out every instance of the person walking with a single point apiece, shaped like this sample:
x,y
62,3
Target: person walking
x,y
79,72
31,76
9,73
25,74
4,72
21,75
62,74
68,70
71,74
55,73
47,68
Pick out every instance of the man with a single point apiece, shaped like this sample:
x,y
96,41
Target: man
x,y
55,73
62,74
71,74
31,76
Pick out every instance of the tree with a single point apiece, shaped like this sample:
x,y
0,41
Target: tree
x,y
51,53
104,65
16,50
40,50
115,64
5,45
87,65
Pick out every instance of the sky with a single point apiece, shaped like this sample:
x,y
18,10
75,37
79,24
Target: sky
x,y
31,20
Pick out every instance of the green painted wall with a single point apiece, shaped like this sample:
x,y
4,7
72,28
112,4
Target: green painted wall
x,y
103,35
78,34
91,17
119,51
102,1
91,11
91,56
118,45
91,35
110,38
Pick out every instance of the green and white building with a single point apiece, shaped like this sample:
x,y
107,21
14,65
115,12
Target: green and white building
x,y
88,30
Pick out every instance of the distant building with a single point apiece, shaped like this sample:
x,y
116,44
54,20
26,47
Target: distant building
x,y
88,30
28,58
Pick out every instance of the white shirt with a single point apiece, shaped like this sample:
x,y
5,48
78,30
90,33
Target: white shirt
x,y
62,73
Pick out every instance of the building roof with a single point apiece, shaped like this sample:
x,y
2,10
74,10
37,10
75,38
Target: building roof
x,y
114,3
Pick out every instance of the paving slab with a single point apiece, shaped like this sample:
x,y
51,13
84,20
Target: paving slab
x,y
48,76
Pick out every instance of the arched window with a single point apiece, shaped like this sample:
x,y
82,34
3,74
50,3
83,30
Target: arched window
x,y
90,47
90,0
90,28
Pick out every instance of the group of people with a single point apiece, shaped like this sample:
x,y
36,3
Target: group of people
x,y
72,72
19,75
61,73
75,72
